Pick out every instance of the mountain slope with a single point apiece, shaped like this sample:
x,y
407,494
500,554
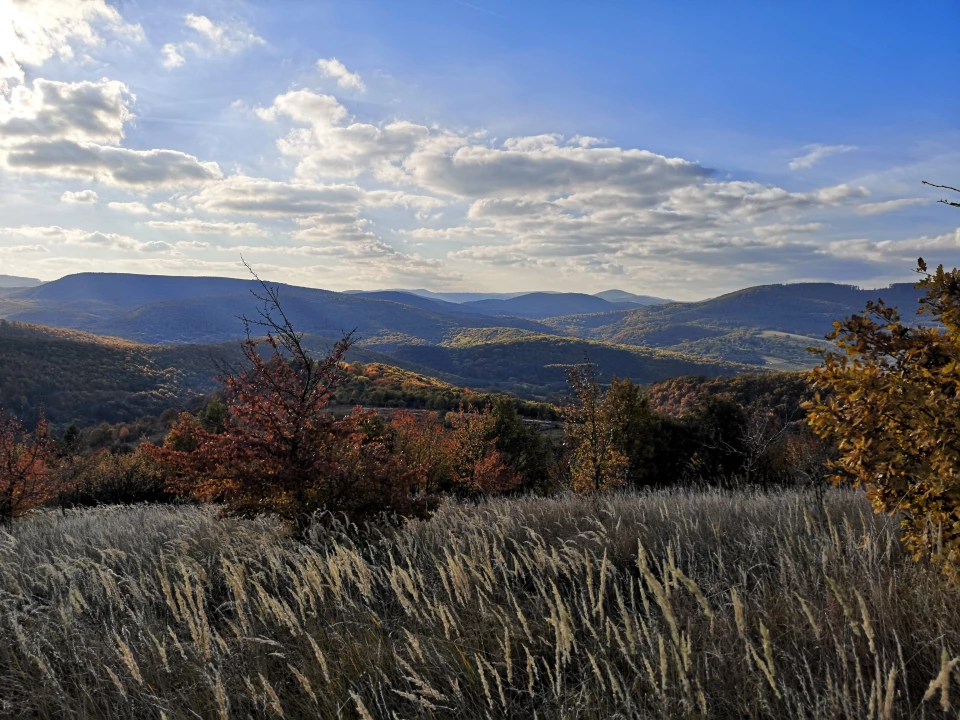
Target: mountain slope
x,y
544,305
158,309
534,365
622,296
768,325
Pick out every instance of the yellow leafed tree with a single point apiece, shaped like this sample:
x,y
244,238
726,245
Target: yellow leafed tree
x,y
890,398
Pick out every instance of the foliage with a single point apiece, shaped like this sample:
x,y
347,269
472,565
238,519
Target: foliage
x,y
524,445
892,408
86,379
460,457
112,478
782,392
534,365
596,461
387,386
676,604
479,468
276,450
25,478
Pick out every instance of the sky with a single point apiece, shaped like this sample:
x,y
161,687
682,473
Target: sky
x,y
680,149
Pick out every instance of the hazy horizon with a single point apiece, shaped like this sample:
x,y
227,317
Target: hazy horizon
x,y
675,150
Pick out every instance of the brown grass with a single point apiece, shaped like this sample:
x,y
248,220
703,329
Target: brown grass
x,y
680,604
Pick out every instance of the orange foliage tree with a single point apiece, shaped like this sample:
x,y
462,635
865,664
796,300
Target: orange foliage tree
x,y
462,459
279,451
426,445
479,468
25,478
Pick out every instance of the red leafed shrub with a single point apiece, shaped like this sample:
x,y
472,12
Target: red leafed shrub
x,y
25,479
279,451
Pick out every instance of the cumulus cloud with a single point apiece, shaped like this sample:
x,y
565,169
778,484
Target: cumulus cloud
x,y
886,206
205,227
54,234
245,195
50,110
815,153
171,56
215,38
33,32
329,148
335,69
899,251
72,130
81,197
268,198
24,249
540,166
133,208
136,169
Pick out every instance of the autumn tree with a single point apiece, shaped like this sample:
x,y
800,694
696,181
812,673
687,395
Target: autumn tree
x,y
889,400
278,450
426,445
596,461
479,467
25,477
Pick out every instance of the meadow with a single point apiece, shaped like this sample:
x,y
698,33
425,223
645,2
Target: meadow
x,y
683,603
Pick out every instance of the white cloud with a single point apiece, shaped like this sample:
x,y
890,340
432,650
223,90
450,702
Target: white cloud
x,y
171,56
816,152
245,195
81,197
216,38
33,31
75,237
328,148
137,169
81,111
256,196
890,206
893,251
539,166
335,69
204,227
133,208
24,249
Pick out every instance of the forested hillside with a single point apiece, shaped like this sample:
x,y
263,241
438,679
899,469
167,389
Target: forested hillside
x,y
84,378
769,325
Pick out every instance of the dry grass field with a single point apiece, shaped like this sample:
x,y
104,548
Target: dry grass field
x,y
674,604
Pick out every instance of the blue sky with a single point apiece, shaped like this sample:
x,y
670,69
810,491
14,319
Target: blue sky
x,y
680,149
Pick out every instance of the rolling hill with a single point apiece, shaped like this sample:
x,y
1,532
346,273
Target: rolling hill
x,y
544,305
88,379
160,309
769,325
12,281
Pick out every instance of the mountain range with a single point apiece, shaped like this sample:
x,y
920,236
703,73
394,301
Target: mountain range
x,y
520,343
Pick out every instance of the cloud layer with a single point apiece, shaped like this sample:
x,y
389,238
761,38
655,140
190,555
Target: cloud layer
x,y
325,186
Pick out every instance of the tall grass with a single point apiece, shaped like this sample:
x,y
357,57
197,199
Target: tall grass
x,y
679,604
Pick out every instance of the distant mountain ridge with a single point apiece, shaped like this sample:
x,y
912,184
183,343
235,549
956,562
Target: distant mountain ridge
x,y
12,281
529,305
767,326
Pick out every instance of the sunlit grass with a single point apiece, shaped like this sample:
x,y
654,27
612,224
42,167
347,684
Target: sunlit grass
x,y
681,604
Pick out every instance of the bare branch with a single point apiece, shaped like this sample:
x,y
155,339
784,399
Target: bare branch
x,y
944,187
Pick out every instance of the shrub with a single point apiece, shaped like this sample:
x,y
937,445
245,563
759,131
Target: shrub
x,y
25,479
